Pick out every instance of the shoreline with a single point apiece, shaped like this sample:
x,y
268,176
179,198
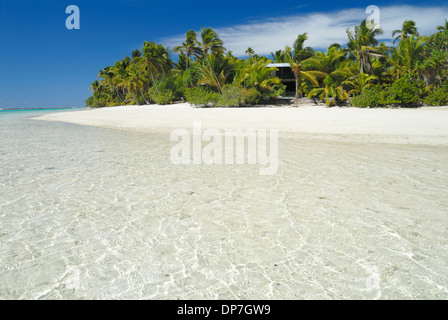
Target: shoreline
x,y
425,125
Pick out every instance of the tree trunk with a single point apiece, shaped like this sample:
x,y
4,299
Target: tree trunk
x,y
155,83
296,71
297,88
133,96
365,63
141,92
117,91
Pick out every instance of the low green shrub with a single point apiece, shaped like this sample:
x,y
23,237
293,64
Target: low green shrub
x,y
252,96
232,96
95,103
402,92
272,92
437,97
280,90
371,97
174,83
164,97
201,96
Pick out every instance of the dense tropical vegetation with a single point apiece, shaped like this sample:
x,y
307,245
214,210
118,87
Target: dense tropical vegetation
x,y
363,73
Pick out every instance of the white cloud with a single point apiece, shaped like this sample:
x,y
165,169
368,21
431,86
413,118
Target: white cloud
x,y
323,28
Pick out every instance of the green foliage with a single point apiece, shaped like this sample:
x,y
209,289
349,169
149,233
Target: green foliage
x,y
173,83
403,92
206,74
187,49
164,97
359,83
201,96
191,77
438,41
252,96
433,66
408,29
278,56
437,97
331,94
254,74
95,103
215,72
279,90
370,97
300,52
406,56
362,43
232,96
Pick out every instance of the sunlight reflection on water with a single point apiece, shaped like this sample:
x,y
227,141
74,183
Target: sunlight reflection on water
x,y
89,213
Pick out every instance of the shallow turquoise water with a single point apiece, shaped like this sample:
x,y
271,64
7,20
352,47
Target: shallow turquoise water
x,y
4,111
91,213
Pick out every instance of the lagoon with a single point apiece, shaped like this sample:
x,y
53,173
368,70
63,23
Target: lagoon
x,y
101,213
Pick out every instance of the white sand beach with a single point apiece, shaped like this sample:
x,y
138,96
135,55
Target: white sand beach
x,y
426,125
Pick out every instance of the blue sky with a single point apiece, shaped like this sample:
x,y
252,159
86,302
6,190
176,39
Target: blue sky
x,y
45,65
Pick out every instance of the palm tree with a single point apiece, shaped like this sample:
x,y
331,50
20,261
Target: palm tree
x,y
301,53
211,43
119,80
360,82
408,29
250,51
189,47
433,64
335,45
299,72
216,72
301,62
119,73
136,53
131,83
278,56
331,93
137,75
156,59
443,28
407,55
181,63
333,63
362,42
100,95
107,80
97,88
256,73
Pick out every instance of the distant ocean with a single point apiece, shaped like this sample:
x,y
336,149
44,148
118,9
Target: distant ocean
x,y
33,109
